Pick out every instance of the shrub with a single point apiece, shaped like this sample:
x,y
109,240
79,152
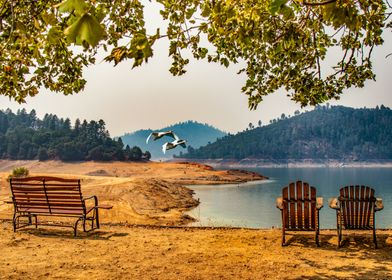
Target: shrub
x,y
19,172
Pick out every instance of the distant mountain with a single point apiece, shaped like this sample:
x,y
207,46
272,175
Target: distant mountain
x,y
195,133
336,133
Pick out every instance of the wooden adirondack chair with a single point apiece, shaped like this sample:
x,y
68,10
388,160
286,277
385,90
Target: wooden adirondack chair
x,y
300,209
355,210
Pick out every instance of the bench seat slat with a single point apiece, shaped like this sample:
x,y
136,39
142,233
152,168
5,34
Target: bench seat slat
x,y
50,204
41,178
50,196
51,188
54,211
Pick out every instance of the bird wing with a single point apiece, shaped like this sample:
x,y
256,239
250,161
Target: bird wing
x,y
172,134
183,144
148,138
164,148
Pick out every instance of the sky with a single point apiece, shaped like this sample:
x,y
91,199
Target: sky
x,y
150,97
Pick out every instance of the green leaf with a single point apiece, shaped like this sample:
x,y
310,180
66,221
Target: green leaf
x,y
275,6
85,29
54,35
68,6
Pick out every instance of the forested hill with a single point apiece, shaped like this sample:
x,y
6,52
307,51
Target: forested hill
x,y
196,134
24,136
338,132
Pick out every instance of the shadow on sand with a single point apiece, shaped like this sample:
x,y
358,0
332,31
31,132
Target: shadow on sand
x,y
356,245
64,234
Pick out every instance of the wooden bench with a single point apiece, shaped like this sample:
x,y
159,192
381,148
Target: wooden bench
x,y
51,196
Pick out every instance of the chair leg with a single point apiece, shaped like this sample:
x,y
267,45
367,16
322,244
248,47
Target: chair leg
x,y
374,238
318,230
283,237
339,228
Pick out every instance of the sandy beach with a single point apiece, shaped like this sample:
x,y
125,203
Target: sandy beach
x,y
144,237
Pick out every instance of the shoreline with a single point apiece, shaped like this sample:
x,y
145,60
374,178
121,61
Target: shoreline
x,y
140,192
252,163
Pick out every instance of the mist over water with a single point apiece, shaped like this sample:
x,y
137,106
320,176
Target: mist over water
x,y
253,204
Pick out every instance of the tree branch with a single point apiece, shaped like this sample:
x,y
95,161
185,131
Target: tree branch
x,y
318,3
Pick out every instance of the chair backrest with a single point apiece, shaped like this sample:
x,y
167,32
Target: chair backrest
x,y
357,206
49,195
299,206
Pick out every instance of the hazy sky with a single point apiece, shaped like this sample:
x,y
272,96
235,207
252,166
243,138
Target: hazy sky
x,y
150,97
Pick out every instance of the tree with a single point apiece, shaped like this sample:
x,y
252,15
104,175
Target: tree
x,y
136,154
284,43
43,154
146,155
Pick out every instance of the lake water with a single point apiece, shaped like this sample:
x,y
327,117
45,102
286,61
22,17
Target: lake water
x,y
253,204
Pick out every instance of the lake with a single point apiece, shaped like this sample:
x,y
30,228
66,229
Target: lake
x,y
253,204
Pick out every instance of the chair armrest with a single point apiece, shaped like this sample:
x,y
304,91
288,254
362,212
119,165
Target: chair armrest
x,y
334,203
378,205
319,203
279,203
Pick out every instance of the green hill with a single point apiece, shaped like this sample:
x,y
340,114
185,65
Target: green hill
x,y
337,133
195,133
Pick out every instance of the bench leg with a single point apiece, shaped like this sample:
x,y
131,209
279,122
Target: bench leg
x,y
76,227
14,220
36,221
96,217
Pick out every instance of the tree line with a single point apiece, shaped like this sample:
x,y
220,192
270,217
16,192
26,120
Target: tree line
x,y
24,136
337,132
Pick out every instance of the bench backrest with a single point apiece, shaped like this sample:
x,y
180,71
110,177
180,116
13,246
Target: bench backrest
x,y
49,195
357,206
299,206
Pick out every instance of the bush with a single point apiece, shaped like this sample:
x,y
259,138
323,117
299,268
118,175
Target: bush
x,y
19,172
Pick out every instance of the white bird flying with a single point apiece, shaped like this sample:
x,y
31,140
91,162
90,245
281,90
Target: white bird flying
x,y
172,145
158,135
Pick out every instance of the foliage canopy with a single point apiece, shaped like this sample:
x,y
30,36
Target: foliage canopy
x,y
282,43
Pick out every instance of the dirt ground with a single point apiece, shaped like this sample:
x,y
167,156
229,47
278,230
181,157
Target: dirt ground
x,y
142,237
140,252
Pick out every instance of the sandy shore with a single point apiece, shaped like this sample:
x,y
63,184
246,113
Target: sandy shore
x,y
135,242
141,193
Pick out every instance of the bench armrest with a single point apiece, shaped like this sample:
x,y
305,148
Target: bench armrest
x,y
279,203
378,205
92,197
319,203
